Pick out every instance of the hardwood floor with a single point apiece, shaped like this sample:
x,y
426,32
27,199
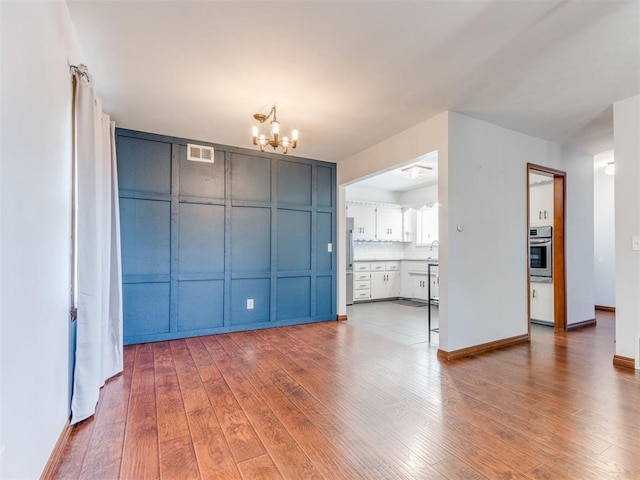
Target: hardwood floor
x,y
333,400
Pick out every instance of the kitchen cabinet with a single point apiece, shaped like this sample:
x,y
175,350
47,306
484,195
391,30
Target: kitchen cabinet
x,y
409,224
375,222
541,301
420,286
364,221
361,281
385,285
389,224
427,225
541,204
376,280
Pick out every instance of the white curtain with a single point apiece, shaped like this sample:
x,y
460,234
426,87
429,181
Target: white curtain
x,y
98,354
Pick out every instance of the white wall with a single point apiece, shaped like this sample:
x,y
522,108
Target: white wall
x,y
355,193
626,125
604,232
423,138
38,41
579,236
483,273
420,196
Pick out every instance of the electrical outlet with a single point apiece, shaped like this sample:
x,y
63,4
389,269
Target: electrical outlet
x,y
249,303
329,247
635,242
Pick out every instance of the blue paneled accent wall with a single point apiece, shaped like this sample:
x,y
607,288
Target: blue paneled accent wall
x,y
202,241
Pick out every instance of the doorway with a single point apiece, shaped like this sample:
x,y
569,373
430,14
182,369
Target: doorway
x,y
546,216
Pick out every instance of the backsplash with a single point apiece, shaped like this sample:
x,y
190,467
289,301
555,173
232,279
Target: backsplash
x,y
392,251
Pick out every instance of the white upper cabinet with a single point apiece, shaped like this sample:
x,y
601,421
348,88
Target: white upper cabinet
x,y
389,224
427,225
376,222
541,204
364,221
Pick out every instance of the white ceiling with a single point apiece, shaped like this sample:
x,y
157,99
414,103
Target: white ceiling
x,y
349,74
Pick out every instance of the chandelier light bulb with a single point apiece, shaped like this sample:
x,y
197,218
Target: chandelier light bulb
x,y
275,140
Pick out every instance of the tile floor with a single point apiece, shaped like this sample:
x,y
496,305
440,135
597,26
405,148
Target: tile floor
x,y
400,323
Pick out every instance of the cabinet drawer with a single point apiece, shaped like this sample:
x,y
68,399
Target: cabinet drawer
x,y
377,267
361,295
362,285
361,276
392,266
361,267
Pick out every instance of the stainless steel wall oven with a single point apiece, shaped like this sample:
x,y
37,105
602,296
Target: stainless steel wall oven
x,y
541,252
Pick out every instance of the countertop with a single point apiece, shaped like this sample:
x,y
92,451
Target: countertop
x,y
427,260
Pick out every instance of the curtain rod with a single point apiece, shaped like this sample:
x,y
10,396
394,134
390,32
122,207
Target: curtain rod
x,y
81,70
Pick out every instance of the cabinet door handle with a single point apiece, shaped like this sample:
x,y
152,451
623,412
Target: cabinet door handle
x,y
534,293
539,214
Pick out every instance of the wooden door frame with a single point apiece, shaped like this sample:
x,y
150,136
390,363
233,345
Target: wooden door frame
x,y
559,258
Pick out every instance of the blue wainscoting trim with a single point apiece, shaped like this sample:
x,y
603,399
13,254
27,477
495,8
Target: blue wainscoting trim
x,y
134,339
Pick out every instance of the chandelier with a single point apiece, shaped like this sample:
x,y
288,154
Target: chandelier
x,y
275,141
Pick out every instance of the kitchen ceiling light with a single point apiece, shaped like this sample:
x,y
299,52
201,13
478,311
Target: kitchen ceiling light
x,y
275,141
415,171
610,169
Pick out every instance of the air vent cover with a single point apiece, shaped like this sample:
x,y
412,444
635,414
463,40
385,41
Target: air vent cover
x,y
200,153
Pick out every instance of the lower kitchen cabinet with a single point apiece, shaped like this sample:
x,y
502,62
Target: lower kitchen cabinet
x,y
541,299
420,287
385,284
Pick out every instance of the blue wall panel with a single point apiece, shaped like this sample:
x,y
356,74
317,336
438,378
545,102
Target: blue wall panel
x,y
250,178
294,297
294,240
325,187
323,238
201,243
199,239
200,179
200,305
146,308
150,172
257,289
294,183
146,239
250,239
324,294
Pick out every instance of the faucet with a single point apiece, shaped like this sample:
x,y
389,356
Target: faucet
x,y
432,244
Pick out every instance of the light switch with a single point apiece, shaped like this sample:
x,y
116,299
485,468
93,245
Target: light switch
x,y
249,303
329,247
635,242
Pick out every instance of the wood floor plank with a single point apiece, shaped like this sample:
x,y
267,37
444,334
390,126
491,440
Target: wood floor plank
x,y
259,468
317,446
212,451
178,459
238,431
283,449
143,376
171,415
331,400
75,450
104,454
455,469
140,451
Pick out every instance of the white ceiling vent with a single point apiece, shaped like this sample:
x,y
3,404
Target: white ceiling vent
x,y
199,153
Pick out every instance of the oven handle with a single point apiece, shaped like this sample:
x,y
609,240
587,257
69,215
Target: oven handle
x,y
540,241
